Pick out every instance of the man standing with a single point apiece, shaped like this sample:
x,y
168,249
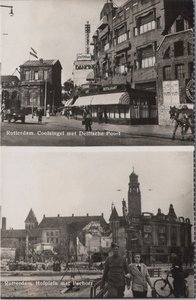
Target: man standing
x,y
116,268
140,278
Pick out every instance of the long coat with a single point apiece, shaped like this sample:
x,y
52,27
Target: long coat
x,y
139,279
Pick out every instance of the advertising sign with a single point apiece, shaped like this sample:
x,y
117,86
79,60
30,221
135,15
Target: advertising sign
x,y
171,92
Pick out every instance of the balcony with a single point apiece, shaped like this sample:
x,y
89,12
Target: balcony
x,y
103,32
103,23
122,46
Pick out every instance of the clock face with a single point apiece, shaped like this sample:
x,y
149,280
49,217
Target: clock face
x,y
190,90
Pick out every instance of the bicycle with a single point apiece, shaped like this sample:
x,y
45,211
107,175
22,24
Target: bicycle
x,y
164,288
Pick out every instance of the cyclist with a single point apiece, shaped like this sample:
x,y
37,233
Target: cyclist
x,y
179,276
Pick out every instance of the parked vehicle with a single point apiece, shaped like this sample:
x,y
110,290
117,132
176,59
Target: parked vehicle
x,y
13,115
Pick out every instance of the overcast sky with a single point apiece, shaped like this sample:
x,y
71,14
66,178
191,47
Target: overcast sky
x,y
54,28
66,181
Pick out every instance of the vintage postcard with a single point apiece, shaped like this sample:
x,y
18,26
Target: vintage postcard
x,y
97,72
79,234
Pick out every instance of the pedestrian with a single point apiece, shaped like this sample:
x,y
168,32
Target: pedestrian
x,y
179,276
140,277
100,115
115,269
88,121
105,117
40,115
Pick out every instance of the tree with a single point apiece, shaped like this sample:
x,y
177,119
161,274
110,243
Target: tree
x,y
68,89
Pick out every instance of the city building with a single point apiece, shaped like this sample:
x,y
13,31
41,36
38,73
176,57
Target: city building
x,y
126,43
40,84
73,238
175,84
158,237
10,93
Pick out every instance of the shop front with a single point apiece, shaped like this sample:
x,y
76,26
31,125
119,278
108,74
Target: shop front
x,y
119,105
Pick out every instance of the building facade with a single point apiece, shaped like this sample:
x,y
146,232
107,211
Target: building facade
x,y
72,238
40,83
10,93
126,43
175,68
83,69
158,237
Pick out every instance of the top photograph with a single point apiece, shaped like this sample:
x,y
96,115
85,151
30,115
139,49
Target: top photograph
x,y
97,73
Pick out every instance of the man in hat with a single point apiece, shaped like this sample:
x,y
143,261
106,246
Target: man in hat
x,y
116,268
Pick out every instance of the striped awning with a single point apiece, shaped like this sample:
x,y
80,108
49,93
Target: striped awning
x,y
104,99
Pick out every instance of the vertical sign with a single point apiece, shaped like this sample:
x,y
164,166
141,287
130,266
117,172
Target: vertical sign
x,y
171,92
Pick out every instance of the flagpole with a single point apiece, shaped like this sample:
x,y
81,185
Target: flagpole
x,y
45,95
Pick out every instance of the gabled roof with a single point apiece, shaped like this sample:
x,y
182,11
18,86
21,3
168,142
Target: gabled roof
x,y
40,63
31,218
75,221
170,22
9,78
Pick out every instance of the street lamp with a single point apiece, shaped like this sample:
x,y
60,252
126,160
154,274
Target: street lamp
x,y
11,9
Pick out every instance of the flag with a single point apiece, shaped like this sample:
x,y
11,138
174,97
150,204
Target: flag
x,y
31,53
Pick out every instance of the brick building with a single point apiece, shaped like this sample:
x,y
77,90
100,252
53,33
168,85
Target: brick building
x,y
40,83
60,234
126,42
10,91
158,237
175,68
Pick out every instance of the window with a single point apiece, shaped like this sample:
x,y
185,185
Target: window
x,y
178,49
161,229
45,74
27,75
167,73
179,24
51,233
146,23
135,31
36,75
190,70
179,70
146,57
189,48
57,240
122,38
147,228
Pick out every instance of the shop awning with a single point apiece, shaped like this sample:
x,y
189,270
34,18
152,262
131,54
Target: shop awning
x,y
68,102
104,99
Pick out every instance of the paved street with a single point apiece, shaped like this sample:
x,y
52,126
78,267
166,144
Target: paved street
x,y
59,131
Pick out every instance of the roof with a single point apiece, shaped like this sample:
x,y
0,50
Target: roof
x,y
114,214
13,233
104,99
40,63
9,78
56,222
31,218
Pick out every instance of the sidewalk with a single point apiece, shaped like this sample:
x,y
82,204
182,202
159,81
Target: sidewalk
x,y
161,131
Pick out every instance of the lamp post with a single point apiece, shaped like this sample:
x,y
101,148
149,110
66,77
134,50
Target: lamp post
x,y
11,9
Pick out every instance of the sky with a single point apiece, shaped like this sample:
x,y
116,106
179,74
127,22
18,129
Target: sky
x,y
80,181
53,28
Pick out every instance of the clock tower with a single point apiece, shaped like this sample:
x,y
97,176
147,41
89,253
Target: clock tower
x,y
134,196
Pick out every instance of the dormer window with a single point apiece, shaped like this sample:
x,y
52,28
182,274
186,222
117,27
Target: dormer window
x,y
179,24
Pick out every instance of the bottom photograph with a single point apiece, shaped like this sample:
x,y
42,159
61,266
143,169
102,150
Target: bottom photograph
x,y
106,224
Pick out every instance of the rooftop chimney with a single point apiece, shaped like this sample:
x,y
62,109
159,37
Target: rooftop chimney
x,y
87,214
41,60
102,214
58,216
43,216
72,215
3,223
